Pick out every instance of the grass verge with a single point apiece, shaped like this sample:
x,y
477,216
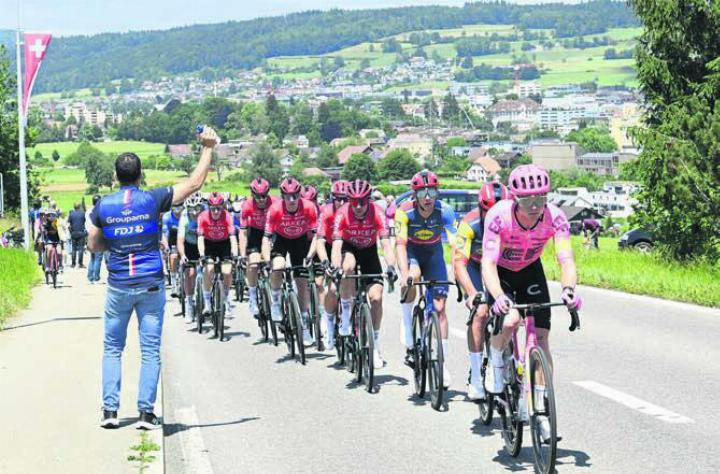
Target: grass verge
x,y
19,272
640,273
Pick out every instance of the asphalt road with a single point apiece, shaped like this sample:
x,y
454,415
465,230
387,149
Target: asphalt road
x,y
636,390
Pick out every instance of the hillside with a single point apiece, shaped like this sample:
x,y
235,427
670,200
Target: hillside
x,y
87,61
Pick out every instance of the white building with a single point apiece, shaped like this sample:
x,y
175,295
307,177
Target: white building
x,y
615,199
527,88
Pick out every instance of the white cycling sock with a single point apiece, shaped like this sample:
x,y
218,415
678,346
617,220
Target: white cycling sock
x,y
304,318
275,295
253,293
330,324
173,279
408,319
188,301
539,397
376,335
496,357
346,306
475,364
446,349
206,298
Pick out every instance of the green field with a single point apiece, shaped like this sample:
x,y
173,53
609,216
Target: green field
x,y
19,273
142,149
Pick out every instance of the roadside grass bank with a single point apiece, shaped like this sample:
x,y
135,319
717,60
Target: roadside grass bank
x,y
19,271
640,273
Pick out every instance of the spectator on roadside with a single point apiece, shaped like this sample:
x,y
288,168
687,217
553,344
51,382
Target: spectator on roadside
x,y
591,231
127,223
76,224
96,258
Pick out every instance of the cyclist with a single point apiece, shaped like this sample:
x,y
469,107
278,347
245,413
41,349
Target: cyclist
x,y
37,230
170,223
187,239
289,229
419,224
216,239
356,230
311,194
252,227
515,234
323,249
51,232
468,273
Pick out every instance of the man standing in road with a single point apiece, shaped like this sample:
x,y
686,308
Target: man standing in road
x,y
96,258
127,224
76,224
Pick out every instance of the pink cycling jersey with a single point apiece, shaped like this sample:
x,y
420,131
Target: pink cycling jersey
x,y
291,225
326,222
360,233
509,245
215,230
252,216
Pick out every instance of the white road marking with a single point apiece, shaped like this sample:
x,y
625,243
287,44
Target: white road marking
x,y
195,455
635,403
458,333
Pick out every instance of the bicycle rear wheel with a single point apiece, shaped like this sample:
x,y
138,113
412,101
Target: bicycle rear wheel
x,y
315,316
298,327
181,290
287,327
262,316
367,347
486,405
435,359
218,310
199,303
512,426
545,452
419,373
264,288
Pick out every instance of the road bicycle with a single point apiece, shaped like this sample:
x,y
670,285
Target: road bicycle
x,y
427,352
291,325
314,308
217,299
182,270
358,348
239,282
485,405
520,387
51,262
265,323
199,299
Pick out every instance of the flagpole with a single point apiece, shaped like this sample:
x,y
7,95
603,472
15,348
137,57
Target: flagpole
x,y
24,211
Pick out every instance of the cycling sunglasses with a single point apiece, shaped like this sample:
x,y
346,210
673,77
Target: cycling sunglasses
x,y
291,196
216,208
340,198
260,196
529,202
359,202
427,193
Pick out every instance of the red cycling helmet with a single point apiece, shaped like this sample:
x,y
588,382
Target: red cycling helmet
x,y
529,180
424,179
260,186
490,194
290,185
359,189
339,188
309,193
215,199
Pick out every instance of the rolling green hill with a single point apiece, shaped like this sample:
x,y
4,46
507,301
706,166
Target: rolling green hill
x,y
93,61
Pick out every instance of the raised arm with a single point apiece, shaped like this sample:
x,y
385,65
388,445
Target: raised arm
x,y
209,139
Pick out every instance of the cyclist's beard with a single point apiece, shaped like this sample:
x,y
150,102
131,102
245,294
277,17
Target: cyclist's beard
x,y
426,205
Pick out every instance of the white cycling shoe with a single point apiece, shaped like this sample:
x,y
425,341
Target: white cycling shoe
x,y
378,361
447,379
475,391
308,338
189,311
344,329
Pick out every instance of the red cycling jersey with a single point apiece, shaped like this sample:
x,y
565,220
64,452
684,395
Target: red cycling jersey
x,y
326,222
252,216
215,230
291,225
360,233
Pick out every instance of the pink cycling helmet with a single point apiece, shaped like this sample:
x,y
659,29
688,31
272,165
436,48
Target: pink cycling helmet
x,y
339,188
260,186
424,179
216,199
529,180
309,193
290,185
359,189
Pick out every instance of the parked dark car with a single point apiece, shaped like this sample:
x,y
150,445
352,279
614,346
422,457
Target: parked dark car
x,y
637,239
462,200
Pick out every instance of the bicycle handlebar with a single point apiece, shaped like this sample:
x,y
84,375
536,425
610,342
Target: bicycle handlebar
x,y
525,308
429,283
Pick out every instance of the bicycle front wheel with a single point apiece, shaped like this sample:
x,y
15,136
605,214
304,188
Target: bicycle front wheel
x,y
199,303
541,410
298,327
287,327
435,359
367,347
419,372
512,425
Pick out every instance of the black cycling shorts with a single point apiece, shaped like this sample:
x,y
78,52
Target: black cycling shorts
x,y
172,237
367,259
297,248
528,285
254,240
220,249
191,252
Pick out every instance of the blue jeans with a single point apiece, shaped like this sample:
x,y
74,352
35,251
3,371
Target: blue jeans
x,y
150,308
96,259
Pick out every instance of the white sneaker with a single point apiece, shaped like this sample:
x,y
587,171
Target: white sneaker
x,y
475,391
447,379
344,328
228,310
544,429
276,312
253,307
378,361
189,311
329,343
308,338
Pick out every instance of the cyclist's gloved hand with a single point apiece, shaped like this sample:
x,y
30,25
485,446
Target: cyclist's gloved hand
x,y
183,259
392,273
502,305
243,261
307,261
337,274
571,298
325,265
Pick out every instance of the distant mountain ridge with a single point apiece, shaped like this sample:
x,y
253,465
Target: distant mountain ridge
x,y
93,61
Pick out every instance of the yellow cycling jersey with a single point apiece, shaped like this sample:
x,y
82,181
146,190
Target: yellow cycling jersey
x,y
469,238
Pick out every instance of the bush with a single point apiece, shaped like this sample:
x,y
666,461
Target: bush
x,y
398,164
19,272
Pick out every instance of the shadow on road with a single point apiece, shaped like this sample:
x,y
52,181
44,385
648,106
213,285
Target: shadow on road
x,y
478,428
53,320
526,459
237,333
173,428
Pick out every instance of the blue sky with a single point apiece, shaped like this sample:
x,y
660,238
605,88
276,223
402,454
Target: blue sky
x,y
68,17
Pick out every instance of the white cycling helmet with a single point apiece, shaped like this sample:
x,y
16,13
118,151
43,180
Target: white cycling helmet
x,y
194,199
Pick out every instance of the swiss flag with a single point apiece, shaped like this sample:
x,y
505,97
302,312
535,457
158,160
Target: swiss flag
x,y
36,46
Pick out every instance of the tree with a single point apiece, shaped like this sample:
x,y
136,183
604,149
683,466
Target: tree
x,y
327,158
278,118
392,108
265,162
359,166
188,163
593,140
99,172
397,164
55,156
85,152
451,109
678,68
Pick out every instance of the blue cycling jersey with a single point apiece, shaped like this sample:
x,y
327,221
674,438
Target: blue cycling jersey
x,y
170,223
129,220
